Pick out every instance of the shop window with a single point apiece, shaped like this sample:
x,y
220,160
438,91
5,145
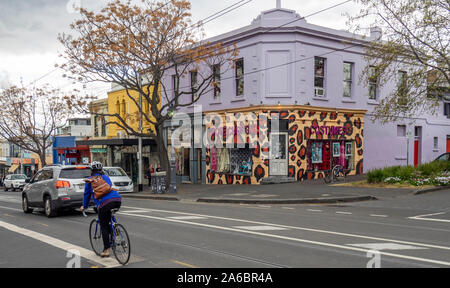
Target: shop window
x,y
373,83
175,86
447,109
241,161
103,126
232,161
348,75
194,85
319,77
216,81
239,77
402,88
401,130
324,154
96,126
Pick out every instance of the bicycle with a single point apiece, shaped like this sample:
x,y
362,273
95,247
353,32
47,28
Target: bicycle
x,y
120,242
334,175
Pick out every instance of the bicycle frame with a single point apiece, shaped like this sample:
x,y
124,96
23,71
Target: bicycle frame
x,y
112,224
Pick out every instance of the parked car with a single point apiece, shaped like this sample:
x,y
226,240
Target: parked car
x,y
443,157
120,180
55,188
15,181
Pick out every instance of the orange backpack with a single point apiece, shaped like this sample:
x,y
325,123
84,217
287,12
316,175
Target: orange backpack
x,y
100,187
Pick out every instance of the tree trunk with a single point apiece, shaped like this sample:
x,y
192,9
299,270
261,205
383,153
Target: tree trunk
x,y
163,156
42,159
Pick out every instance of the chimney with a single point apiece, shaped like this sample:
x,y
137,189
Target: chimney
x,y
278,4
375,33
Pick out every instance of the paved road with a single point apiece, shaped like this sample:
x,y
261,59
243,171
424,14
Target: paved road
x,y
409,231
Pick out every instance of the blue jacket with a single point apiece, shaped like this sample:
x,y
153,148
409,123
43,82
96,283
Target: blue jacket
x,y
89,194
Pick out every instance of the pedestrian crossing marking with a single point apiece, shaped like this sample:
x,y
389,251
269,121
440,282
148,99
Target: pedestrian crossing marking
x,y
260,228
187,217
387,246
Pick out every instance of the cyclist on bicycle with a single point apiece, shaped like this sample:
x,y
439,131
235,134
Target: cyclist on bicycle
x,y
104,205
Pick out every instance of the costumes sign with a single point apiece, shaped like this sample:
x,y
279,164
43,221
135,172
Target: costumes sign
x,y
328,130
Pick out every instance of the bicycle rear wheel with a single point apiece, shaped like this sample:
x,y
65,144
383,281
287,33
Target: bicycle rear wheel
x,y
95,237
121,244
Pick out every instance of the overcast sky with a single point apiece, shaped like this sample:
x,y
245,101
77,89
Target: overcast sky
x,y
29,47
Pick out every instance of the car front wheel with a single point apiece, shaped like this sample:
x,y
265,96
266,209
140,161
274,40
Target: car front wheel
x,y
25,207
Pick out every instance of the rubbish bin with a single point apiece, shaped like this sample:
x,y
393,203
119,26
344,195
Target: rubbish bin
x,y
159,182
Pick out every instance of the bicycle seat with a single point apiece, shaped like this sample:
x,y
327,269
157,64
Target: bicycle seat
x,y
115,210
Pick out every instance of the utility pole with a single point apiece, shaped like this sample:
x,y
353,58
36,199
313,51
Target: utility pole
x,y
140,137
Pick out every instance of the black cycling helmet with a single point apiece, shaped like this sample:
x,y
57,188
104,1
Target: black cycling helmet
x,y
97,166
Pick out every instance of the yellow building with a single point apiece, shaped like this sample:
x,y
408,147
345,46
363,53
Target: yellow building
x,y
120,103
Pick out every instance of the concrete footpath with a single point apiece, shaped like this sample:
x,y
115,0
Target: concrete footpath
x,y
307,192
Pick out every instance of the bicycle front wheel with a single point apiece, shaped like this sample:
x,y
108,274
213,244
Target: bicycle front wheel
x,y
95,237
121,244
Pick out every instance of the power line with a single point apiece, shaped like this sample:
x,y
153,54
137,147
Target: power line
x,y
210,18
291,62
122,30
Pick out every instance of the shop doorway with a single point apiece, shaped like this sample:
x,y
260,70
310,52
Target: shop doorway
x,y
448,143
417,145
278,154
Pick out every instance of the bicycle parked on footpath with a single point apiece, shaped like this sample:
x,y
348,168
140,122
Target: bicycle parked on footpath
x,y
120,242
335,175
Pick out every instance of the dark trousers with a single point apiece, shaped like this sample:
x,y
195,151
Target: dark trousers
x,y
104,216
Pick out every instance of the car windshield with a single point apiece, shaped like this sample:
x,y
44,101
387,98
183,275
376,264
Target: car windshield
x,y
443,157
75,173
115,172
18,177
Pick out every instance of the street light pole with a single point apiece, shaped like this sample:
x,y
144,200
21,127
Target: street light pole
x,y
140,137
173,180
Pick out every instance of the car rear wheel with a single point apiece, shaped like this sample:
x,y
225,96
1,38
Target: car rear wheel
x,y
25,207
49,208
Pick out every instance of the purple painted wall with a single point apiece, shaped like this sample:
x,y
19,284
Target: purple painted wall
x,y
264,45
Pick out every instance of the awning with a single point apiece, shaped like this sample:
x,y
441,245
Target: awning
x,y
118,142
13,168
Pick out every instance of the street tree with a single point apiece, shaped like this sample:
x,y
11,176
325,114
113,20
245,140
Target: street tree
x,y
30,117
138,46
413,51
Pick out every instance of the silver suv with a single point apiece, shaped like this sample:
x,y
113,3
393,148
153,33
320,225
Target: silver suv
x,y
55,188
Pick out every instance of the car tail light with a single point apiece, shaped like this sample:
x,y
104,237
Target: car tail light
x,y
81,167
62,184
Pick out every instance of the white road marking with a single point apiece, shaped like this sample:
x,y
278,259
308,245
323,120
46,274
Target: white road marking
x,y
376,215
288,208
9,199
136,211
314,210
263,206
85,253
263,195
260,228
422,217
187,217
9,208
426,215
387,246
345,213
363,250
300,228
